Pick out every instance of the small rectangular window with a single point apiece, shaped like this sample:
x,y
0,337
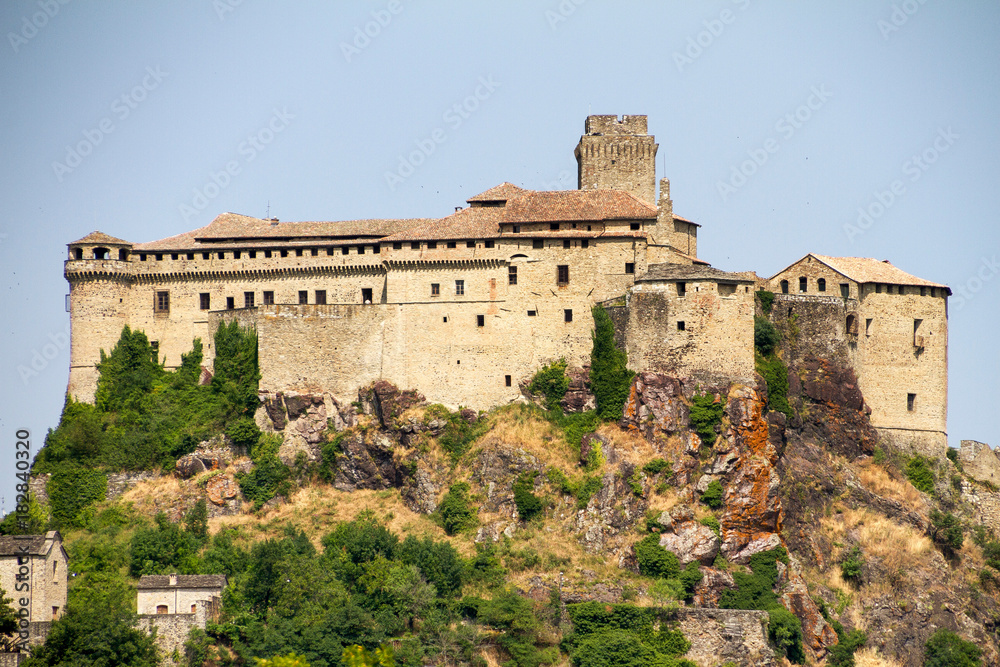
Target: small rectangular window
x,y
303,297
845,290
681,289
538,244
432,245
585,243
480,320
414,245
284,253
154,345
803,284
568,315
634,226
248,299
629,267
516,229
236,254
321,297
923,291
205,301
878,288
298,252
161,302
470,244
173,255
507,380
204,255
681,325
567,244
452,245
398,245
190,255
366,295
868,327
459,288
554,226
220,255
253,254
487,244
562,274
230,302
435,289
330,252
345,250
784,287
532,313
911,402
376,250
268,298
267,253
159,257
445,319
361,250
511,275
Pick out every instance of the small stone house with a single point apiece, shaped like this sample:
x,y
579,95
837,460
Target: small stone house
x,y
174,604
33,568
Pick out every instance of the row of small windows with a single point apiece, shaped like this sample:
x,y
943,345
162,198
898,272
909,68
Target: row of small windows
x,y
161,299
845,288
102,253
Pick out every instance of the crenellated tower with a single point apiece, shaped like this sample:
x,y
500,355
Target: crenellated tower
x,y
617,154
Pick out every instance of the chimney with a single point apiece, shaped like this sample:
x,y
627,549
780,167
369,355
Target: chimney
x,y
173,579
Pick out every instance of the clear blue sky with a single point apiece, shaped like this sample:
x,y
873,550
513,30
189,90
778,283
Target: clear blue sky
x,y
838,97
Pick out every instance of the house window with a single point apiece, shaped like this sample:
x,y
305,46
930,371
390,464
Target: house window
x,y
868,327
205,300
314,252
487,244
361,250
568,315
161,302
55,613
532,313
236,255
507,380
230,302
366,295
878,288
554,226
253,255
321,297
190,255
193,608
562,274
517,229
537,244
629,267
567,244
821,285
681,325
470,244
845,290
161,609
284,253
159,257
432,245
681,289
635,226
268,298
451,245
303,297
435,289
585,243
918,340
911,402
398,245
511,275
445,319
298,252
154,345
204,255
459,288
248,299
923,291
784,287
480,320
345,250
415,245
803,284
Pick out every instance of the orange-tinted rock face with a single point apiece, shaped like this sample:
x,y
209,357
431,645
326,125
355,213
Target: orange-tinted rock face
x,y
221,488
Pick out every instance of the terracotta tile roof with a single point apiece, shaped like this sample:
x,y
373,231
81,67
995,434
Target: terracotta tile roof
x,y
868,270
501,192
100,237
690,222
148,581
660,272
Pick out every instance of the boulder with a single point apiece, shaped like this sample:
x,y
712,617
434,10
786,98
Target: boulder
x,y
691,542
578,397
221,489
188,466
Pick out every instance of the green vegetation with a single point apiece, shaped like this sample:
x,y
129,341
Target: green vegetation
x,y
455,511
656,466
528,504
947,649
610,377
8,622
458,432
71,489
654,560
551,382
623,635
946,531
770,366
713,523
920,473
766,300
713,494
765,335
164,548
706,414
852,566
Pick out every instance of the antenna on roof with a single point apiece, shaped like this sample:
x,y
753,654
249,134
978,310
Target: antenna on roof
x,y
267,216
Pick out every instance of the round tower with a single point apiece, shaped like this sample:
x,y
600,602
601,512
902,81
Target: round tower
x,y
99,272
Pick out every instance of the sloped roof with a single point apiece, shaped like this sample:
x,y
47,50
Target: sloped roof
x,y
35,545
664,272
868,270
100,237
148,581
501,192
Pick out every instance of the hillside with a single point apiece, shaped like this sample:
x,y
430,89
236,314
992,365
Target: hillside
x,y
605,519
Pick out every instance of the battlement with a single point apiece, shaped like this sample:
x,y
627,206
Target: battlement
x,y
611,125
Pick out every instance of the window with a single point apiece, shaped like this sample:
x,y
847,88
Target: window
x,y
459,288
78,254
253,255
635,226
470,244
554,226
532,313
511,275
821,285
161,609
376,250
142,255
567,244
681,289
268,298
784,287
193,608
629,267
803,284
538,244
267,253
432,245
248,299
205,301
911,402
507,380
480,320
868,326
159,257
851,325
452,245
345,250
568,315
878,288
562,274
314,252
516,229
366,295
361,250
923,291
727,290
190,255
585,243
236,255
445,319
845,290
161,302
55,613
303,297
321,297
298,252
220,255
398,245
487,244
681,325
918,339
154,345
204,255
415,245
435,289
230,302
284,253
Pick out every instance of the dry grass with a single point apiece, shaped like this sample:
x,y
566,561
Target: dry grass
x,y
869,657
875,478
522,426
897,546
629,445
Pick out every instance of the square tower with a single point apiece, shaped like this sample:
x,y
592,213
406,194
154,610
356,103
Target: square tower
x,y
617,154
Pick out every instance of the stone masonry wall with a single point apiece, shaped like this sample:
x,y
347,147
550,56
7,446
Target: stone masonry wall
x,y
721,636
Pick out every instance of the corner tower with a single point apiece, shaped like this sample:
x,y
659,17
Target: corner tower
x,y
617,154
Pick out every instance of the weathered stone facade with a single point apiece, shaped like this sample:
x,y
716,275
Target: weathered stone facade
x,y
33,571
174,604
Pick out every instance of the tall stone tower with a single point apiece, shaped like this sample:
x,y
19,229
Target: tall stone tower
x,y
617,155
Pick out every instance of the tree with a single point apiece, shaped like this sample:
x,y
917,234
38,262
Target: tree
x,y
290,660
127,374
8,623
610,377
359,656
947,649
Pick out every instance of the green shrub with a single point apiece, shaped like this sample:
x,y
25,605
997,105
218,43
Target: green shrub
x,y
71,489
765,336
754,591
713,494
766,300
624,635
269,478
610,378
588,488
551,381
712,523
706,414
946,530
654,560
918,470
243,432
689,578
656,466
842,654
162,549
458,432
852,566
784,629
528,504
775,374
947,649
455,511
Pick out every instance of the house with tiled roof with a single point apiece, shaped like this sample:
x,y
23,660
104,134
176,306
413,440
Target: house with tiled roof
x,y
33,570
174,604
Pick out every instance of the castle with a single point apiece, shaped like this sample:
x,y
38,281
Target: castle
x,y
466,307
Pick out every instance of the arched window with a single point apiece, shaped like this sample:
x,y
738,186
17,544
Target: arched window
x,y
821,284
784,287
161,609
100,253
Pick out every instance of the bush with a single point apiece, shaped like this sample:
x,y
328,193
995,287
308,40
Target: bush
x,y
784,629
528,504
765,336
713,494
551,382
458,432
623,635
455,511
244,433
766,300
588,488
842,654
73,488
853,565
269,478
946,531
947,649
921,475
654,560
162,549
656,466
706,414
775,374
610,377
712,523
754,591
